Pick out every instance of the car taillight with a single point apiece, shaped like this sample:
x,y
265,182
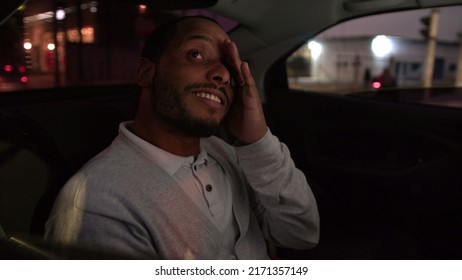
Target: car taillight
x,y
376,85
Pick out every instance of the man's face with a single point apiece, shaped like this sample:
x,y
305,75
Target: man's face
x,y
191,88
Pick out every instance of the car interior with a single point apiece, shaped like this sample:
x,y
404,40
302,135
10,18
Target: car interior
x,y
386,175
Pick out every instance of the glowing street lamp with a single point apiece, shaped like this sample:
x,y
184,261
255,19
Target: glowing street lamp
x,y
381,46
60,14
315,48
27,45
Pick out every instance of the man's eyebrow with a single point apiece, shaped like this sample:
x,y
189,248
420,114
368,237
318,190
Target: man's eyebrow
x,y
197,36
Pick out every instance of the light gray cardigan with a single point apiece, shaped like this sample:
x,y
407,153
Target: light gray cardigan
x,y
121,200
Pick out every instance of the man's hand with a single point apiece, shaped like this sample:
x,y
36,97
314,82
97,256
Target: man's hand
x,y
245,118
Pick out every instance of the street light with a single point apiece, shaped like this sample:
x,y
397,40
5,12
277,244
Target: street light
x,y
60,14
315,48
27,45
381,46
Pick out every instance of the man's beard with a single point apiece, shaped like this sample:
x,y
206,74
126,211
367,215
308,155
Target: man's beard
x,y
169,104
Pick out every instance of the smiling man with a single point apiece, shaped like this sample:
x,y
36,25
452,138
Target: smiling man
x,y
166,187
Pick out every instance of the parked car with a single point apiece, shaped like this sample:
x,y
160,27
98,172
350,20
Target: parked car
x,y
384,165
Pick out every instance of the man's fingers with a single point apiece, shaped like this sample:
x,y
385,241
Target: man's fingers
x,y
248,80
234,60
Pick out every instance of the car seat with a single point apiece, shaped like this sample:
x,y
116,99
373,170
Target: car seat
x,y
42,145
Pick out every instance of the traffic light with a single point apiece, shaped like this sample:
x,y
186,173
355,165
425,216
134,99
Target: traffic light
x,y
425,31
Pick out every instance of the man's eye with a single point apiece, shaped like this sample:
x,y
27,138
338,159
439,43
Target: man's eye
x,y
196,55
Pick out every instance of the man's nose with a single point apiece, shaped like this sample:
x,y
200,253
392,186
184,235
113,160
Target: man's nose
x,y
219,74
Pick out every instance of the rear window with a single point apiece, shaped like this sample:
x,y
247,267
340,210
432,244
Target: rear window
x,y
77,43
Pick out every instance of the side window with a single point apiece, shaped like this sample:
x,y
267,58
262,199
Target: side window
x,y
375,53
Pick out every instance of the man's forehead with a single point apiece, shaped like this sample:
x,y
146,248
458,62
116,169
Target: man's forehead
x,y
201,29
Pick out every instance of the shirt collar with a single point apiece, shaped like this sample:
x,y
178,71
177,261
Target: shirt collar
x,y
170,163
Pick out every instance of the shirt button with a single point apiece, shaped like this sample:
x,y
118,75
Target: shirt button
x,y
208,188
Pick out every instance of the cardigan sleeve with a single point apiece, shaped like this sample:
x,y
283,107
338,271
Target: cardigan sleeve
x,y
287,211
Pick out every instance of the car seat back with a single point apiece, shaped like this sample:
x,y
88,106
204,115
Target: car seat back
x,y
43,144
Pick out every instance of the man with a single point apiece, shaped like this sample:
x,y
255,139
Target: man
x,y
167,188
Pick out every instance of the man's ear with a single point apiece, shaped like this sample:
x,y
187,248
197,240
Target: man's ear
x,y
145,72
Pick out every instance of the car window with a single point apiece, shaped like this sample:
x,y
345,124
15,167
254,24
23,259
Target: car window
x,y
379,54
48,43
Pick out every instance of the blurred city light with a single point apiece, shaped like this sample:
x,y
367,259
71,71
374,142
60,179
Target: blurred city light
x,y
315,48
60,14
381,46
142,9
38,17
27,45
376,85
8,68
51,46
92,6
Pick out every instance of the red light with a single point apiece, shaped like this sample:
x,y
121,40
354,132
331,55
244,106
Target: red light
x,y
376,85
8,68
22,69
24,79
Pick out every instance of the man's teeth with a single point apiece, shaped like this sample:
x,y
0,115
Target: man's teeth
x,y
209,96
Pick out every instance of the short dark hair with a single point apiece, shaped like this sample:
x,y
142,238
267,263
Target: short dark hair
x,y
158,40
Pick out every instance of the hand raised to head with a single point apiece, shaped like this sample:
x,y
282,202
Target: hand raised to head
x,y
245,118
